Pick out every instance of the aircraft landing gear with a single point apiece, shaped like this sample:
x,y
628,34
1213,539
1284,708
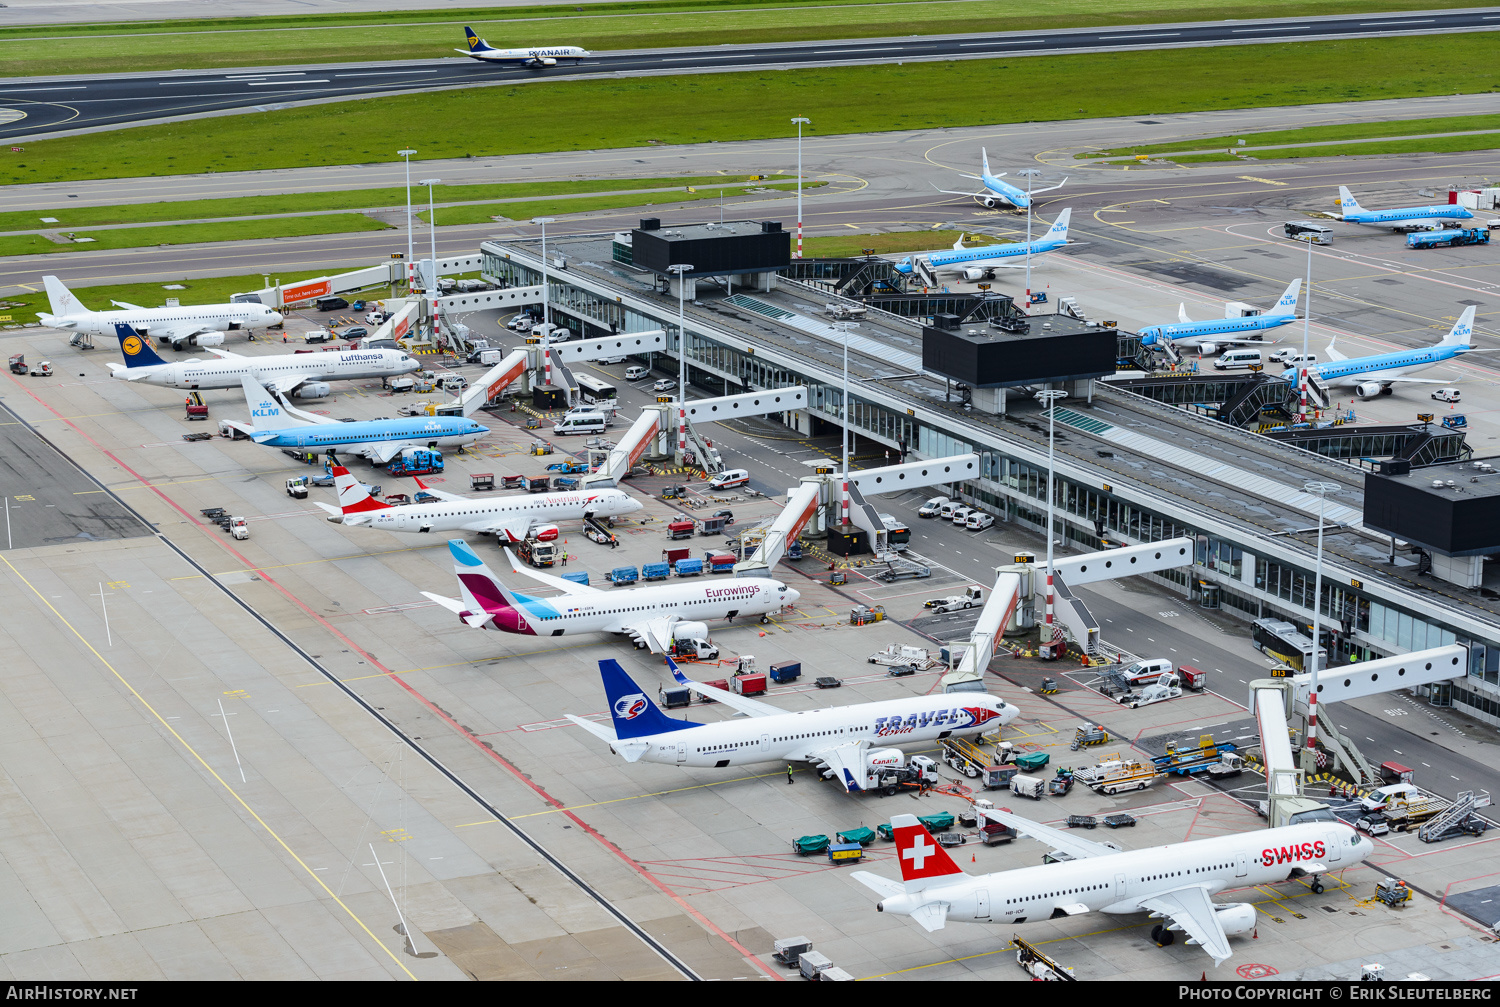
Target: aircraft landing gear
x,y
765,620
1163,936
1317,886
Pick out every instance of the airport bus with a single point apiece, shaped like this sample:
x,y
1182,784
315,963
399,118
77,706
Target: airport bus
x,y
594,390
1286,643
897,535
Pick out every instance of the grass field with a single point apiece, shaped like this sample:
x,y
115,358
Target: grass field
x,y
342,199
848,246
184,234
482,213
61,49
206,290
724,107
1313,134
1442,145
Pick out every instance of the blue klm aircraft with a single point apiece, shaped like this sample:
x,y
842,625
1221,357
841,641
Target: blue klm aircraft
x,y
979,263
1208,338
277,424
1407,218
995,191
1374,375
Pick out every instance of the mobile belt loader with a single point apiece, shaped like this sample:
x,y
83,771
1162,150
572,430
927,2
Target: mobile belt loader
x,y
1191,761
964,756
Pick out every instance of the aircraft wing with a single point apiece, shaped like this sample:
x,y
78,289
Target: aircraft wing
x,y
971,195
127,305
450,497
1388,377
847,762
656,634
380,452
565,586
733,700
225,354
1192,911
286,383
1068,842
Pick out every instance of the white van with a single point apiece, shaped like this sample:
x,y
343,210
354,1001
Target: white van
x,y
1448,395
1237,358
1296,361
729,477
635,372
580,423
945,510
931,507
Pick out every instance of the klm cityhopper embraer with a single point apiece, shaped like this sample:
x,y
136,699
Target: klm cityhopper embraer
x,y
980,263
1208,338
1406,218
537,56
277,424
997,192
1374,375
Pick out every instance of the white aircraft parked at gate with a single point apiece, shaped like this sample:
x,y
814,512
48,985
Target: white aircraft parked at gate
x,y
979,263
305,375
1173,882
200,324
839,739
653,616
1405,218
545,55
508,518
997,192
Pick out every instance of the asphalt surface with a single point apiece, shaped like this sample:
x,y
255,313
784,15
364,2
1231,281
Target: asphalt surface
x,y
61,103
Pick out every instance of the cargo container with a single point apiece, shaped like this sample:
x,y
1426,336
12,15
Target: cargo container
x,y
786,671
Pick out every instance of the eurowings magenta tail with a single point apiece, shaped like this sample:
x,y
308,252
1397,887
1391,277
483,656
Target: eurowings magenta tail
x,y
484,599
632,711
1462,333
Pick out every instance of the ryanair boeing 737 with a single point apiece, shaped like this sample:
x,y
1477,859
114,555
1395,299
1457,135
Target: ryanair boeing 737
x,y
536,56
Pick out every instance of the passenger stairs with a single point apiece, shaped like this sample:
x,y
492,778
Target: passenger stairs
x,y
592,523
1456,817
709,459
1345,751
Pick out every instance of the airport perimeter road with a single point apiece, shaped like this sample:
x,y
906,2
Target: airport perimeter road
x,y
69,103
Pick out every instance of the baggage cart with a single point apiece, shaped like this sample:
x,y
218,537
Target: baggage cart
x,y
676,697
1119,821
1082,821
786,671
995,833
513,482
951,838
787,950
828,682
811,963
565,484
688,568
834,974
845,853
720,562
538,484
998,777
1032,761
673,555
481,481
863,836
748,685
721,683
581,577
680,529
805,846
884,831
940,821
712,526
655,571
1027,786
623,575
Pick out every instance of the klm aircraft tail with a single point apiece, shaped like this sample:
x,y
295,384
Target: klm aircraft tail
x,y
1462,333
266,411
1287,306
1059,230
61,299
137,351
474,42
633,713
984,162
1347,202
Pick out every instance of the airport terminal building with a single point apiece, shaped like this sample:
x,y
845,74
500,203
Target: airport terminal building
x,y
1129,470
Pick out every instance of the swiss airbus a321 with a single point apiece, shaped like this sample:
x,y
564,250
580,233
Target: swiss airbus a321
x,y
536,56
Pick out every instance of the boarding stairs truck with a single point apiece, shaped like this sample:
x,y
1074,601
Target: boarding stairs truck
x,y
1114,774
1459,816
898,657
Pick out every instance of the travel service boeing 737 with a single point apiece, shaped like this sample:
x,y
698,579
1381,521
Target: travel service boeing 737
x,y
996,191
653,617
188,324
978,263
509,518
1208,337
277,424
305,375
1175,882
536,56
1406,218
1373,375
839,739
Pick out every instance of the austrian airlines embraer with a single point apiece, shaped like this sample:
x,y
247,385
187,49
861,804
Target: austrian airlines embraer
x,y
1371,376
201,324
305,375
1405,218
509,518
1173,882
652,616
546,55
977,263
1208,337
997,191
837,739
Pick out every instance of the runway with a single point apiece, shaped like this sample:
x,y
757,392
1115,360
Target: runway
x,y
67,104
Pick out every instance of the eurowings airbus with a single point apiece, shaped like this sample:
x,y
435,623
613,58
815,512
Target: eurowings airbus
x,y
1174,882
277,424
1209,337
305,375
837,739
538,56
977,263
190,324
996,191
1406,218
507,518
651,616
1373,375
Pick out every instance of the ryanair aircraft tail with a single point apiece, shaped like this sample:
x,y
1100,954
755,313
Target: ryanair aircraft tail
x,y
474,42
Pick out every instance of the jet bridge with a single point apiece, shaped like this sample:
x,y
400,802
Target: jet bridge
x,y
999,610
527,360
801,506
643,434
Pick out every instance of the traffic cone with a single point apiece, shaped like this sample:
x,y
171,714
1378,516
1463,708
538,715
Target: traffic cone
x,y
1255,934
973,859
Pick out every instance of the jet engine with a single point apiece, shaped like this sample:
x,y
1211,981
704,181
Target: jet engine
x,y
208,339
313,390
1235,917
1369,389
975,273
544,532
689,631
543,61
988,202
1208,349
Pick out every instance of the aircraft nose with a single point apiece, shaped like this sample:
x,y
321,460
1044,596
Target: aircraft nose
x,y
277,318
791,596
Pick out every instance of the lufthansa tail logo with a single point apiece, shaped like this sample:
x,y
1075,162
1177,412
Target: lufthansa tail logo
x,y
131,346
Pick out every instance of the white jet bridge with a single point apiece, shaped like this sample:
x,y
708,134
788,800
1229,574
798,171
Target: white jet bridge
x,y
1020,588
529,359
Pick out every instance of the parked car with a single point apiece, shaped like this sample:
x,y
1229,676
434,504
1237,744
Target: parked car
x,y
931,507
1447,395
635,372
664,385
979,521
354,332
727,515
332,304
1373,825
962,514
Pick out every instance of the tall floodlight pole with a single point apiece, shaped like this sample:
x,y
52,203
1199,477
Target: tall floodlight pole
x,y
848,437
546,315
1302,364
1310,753
681,271
800,121
407,156
432,292
1048,398
1030,174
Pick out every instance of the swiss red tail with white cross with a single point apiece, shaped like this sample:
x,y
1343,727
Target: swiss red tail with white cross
x,y
923,861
